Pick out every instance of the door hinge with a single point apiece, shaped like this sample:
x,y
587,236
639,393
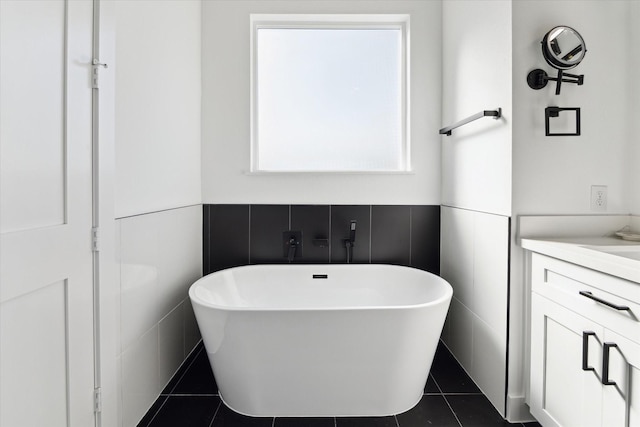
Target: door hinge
x,y
95,67
97,400
95,239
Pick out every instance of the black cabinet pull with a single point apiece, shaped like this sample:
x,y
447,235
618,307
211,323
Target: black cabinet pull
x,y
585,350
605,302
605,363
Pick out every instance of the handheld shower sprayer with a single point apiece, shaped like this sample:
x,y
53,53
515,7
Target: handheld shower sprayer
x,y
350,242
352,231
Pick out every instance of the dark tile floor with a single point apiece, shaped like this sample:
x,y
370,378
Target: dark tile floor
x,y
450,399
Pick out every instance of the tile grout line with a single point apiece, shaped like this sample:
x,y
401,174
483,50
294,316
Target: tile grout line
x,y
329,236
410,235
370,231
249,237
194,395
195,356
445,400
158,411
452,411
461,394
215,414
436,383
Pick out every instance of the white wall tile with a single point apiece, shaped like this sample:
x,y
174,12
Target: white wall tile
x,y
160,257
491,255
489,362
179,252
474,259
170,344
457,246
140,385
119,416
460,341
191,330
139,282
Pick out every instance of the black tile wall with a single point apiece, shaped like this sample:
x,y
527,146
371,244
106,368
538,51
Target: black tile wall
x,y
313,221
227,224
425,237
252,234
266,224
391,234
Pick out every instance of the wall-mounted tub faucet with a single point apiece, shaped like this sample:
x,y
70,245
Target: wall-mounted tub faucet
x,y
292,244
350,242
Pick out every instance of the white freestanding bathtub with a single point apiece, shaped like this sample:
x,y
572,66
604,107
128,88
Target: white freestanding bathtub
x,y
320,340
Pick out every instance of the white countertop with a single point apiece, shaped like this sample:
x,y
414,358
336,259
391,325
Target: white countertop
x,y
606,254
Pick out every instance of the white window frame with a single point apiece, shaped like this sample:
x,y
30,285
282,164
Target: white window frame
x,y
332,21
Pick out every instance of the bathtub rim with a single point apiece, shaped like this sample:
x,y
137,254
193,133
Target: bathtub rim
x,y
447,295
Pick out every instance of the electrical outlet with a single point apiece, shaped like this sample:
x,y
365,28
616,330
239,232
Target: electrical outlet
x,y
598,198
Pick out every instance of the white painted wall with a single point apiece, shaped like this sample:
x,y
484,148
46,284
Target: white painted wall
x,y
476,63
634,110
157,105
555,174
226,114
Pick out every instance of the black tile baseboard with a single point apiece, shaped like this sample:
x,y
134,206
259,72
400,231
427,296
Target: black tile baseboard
x,y
235,235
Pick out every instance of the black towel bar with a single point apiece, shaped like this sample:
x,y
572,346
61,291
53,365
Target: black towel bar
x,y
496,114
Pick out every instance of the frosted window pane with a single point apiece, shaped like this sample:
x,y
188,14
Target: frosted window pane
x,y
329,100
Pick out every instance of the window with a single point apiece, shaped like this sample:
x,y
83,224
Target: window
x,y
329,93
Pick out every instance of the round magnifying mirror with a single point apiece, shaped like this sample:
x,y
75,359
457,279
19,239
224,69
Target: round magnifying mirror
x,y
563,48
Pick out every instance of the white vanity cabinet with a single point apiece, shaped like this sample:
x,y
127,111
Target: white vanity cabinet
x,y
585,346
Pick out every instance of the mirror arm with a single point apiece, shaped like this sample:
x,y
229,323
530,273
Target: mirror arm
x,y
537,79
567,78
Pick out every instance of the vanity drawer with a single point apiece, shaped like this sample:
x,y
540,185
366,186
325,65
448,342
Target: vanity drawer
x,y
608,300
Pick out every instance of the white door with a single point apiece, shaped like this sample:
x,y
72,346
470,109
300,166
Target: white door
x,y
46,290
